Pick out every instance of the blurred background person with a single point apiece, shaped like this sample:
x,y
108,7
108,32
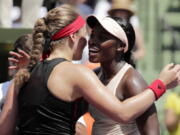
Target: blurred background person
x,y
30,12
124,9
102,7
23,16
24,43
82,7
172,113
5,10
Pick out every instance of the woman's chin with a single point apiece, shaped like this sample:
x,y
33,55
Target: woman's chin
x,y
77,58
93,60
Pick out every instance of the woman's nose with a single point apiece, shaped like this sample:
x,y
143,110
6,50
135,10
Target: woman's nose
x,y
90,42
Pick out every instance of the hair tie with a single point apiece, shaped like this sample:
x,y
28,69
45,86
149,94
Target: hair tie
x,y
47,46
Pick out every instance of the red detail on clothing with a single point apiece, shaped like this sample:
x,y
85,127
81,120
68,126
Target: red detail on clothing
x,y
158,88
44,56
69,29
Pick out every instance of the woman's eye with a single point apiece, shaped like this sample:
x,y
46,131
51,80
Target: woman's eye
x,y
103,38
91,36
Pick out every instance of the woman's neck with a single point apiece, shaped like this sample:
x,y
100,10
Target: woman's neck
x,y
111,68
58,53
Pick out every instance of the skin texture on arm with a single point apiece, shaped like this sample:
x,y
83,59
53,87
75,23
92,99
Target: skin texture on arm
x,y
78,81
9,113
134,84
80,129
171,120
89,86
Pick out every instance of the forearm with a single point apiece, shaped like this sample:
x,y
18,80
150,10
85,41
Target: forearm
x,y
135,106
9,113
171,119
173,125
101,98
148,123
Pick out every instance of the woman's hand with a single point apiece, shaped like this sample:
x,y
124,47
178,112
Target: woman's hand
x,y
170,75
20,60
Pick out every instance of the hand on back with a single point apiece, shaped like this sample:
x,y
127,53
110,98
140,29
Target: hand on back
x,y
20,60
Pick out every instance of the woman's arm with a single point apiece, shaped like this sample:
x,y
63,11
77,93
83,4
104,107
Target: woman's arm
x,y
133,84
171,120
81,127
148,123
9,113
89,86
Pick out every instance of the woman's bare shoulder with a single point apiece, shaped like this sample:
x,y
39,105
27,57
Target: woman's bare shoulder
x,y
134,82
133,74
73,71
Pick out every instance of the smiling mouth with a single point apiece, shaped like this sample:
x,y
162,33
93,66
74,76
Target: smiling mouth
x,y
93,50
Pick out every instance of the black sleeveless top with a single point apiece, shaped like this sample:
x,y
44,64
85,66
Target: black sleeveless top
x,y
40,112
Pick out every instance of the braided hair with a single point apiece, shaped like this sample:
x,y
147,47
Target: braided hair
x,y
44,28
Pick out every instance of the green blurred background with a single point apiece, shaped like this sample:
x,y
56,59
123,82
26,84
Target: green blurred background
x,y
160,23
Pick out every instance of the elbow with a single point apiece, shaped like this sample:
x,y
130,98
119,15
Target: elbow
x,y
171,125
124,119
124,116
171,128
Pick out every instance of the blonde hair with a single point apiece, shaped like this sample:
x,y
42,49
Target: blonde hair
x,y
44,28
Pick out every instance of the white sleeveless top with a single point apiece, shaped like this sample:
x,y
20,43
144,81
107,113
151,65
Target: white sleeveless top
x,y
103,125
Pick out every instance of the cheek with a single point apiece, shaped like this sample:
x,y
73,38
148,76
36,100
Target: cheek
x,y
103,55
108,53
80,47
82,42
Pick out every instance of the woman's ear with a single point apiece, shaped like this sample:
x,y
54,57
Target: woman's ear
x,y
71,40
120,46
119,51
72,37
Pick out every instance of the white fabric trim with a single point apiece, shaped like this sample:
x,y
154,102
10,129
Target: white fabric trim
x,y
3,92
81,120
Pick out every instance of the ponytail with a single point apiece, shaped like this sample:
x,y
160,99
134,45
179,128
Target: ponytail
x,y
130,33
23,75
55,20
